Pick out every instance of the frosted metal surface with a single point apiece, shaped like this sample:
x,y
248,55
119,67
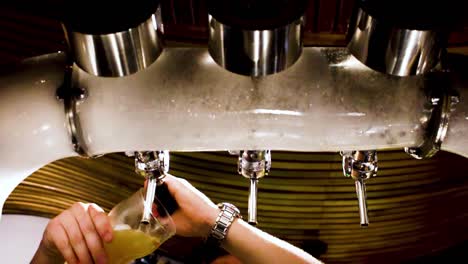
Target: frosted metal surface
x,y
328,101
32,120
456,140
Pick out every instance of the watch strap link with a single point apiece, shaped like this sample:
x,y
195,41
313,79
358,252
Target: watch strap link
x,y
224,220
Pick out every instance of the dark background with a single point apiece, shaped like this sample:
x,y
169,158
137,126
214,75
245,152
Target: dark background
x,y
29,28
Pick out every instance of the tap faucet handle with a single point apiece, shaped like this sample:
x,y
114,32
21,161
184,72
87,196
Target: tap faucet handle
x,y
164,196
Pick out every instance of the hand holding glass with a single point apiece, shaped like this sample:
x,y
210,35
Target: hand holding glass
x,y
132,238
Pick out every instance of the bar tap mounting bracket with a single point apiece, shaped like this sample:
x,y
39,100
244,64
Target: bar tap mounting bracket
x,y
152,164
441,103
71,96
254,163
361,166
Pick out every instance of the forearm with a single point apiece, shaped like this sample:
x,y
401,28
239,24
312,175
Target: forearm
x,y
251,246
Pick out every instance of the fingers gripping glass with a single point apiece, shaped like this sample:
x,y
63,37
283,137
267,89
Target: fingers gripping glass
x,y
132,238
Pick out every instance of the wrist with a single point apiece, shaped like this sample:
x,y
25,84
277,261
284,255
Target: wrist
x,y
46,255
210,219
228,213
232,228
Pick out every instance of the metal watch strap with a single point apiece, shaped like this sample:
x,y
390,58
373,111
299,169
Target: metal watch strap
x,y
224,220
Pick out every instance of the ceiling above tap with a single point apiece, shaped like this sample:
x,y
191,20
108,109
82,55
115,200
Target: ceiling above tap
x,y
30,28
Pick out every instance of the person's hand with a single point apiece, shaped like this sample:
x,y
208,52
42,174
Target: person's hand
x,y
196,214
76,236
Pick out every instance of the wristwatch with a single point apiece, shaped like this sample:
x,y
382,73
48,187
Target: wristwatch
x,y
224,220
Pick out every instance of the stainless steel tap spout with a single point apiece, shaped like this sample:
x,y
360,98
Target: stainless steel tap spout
x,y
149,198
153,165
362,202
360,165
253,165
252,211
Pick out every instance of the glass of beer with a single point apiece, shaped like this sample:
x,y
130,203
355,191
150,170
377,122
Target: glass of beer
x,y
133,238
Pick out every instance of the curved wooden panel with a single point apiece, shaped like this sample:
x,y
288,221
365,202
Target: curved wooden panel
x,y
415,207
